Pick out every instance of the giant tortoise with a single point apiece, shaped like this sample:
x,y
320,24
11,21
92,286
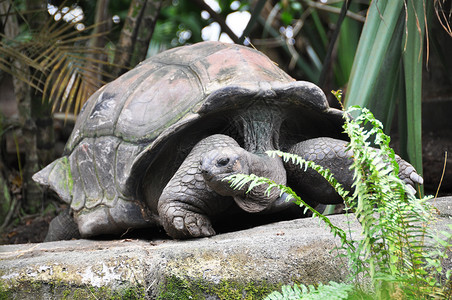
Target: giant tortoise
x,y
152,147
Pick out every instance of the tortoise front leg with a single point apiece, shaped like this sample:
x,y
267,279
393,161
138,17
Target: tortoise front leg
x,y
187,203
332,154
310,185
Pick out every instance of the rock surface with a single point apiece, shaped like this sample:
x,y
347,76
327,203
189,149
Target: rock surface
x,y
243,264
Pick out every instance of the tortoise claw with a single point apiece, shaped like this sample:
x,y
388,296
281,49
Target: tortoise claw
x,y
190,225
409,175
410,189
198,226
416,178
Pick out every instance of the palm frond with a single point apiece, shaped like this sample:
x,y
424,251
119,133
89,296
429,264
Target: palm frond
x,y
63,63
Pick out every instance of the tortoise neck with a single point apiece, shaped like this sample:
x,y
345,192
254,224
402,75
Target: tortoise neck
x,y
260,127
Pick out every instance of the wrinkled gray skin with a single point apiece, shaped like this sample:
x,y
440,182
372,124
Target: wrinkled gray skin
x,y
198,191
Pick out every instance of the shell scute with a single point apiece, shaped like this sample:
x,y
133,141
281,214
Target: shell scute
x,y
104,150
78,193
59,173
126,214
184,56
236,66
123,164
86,165
156,104
99,116
78,130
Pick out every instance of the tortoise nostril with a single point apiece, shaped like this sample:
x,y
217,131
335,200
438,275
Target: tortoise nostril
x,y
223,161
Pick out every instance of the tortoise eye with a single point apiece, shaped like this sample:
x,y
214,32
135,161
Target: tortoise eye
x,y
223,161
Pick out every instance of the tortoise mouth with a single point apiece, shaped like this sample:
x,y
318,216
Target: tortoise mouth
x,y
251,205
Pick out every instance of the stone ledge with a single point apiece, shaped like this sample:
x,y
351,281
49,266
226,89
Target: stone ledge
x,y
243,262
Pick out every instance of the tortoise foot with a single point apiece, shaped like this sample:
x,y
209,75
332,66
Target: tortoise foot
x,y
62,227
180,223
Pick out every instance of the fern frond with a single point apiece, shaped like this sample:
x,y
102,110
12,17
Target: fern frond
x,y
395,248
394,223
240,181
305,164
333,291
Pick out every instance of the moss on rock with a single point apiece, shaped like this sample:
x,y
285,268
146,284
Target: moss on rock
x,y
59,290
183,288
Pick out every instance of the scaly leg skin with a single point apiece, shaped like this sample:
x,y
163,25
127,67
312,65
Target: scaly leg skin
x,y
331,153
62,227
187,203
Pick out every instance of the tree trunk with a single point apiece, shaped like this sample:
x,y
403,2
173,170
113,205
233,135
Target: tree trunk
x,y
99,40
6,202
145,30
25,128
139,25
40,125
32,192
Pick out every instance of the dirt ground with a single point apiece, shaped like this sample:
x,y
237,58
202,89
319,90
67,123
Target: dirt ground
x,y
32,229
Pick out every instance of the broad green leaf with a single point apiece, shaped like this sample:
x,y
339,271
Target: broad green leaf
x,y
412,65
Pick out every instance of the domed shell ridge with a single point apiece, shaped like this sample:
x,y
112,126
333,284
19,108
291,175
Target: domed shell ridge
x,y
143,102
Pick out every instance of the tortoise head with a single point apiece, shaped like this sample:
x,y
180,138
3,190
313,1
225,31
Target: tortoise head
x,y
218,164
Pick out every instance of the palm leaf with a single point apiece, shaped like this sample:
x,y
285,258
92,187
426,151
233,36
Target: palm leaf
x,y
412,65
64,65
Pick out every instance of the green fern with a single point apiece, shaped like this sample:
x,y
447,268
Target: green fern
x,y
332,291
238,181
394,223
396,251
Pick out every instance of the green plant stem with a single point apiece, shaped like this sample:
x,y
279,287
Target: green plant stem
x,y
327,60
